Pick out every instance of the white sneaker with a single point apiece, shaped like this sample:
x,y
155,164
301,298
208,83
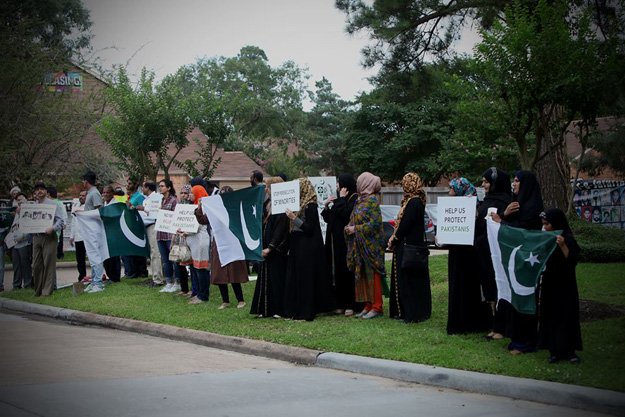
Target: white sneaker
x,y
166,288
176,288
88,288
96,289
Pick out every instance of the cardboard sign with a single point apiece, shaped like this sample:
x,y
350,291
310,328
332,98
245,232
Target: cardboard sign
x,y
284,195
36,218
164,221
184,218
456,220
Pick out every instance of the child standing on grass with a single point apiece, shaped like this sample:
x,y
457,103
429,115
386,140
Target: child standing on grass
x,y
559,329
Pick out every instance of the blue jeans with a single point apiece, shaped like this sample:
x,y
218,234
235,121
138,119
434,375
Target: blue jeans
x,y
97,270
168,266
201,279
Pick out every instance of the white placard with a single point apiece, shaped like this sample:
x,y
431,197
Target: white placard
x,y
324,187
11,238
36,218
164,221
456,220
184,218
284,195
151,206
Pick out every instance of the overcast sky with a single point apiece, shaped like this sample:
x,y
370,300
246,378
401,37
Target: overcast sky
x,y
164,35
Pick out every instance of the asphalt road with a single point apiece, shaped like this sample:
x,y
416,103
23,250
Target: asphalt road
x,y
50,368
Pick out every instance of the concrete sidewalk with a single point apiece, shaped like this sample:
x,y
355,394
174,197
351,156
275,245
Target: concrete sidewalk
x,y
571,396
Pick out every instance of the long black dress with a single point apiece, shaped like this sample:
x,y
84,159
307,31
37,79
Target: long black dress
x,y
269,291
500,201
559,329
411,295
337,218
523,328
308,290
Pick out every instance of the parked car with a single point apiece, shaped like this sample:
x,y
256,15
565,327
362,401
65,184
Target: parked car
x,y
389,219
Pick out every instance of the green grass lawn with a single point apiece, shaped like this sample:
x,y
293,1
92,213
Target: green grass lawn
x,y
425,343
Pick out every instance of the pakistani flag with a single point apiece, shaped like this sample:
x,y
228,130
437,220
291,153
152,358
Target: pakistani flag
x,y
519,257
113,230
236,219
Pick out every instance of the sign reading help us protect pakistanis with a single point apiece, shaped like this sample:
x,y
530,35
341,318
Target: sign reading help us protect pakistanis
x,y
184,218
284,195
456,220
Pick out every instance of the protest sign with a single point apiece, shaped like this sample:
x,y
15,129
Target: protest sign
x,y
184,218
456,220
152,205
11,238
36,218
284,195
324,188
164,221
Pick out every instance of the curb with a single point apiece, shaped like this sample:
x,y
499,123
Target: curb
x,y
297,355
553,393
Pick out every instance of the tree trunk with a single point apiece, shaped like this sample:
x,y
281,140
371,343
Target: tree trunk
x,y
553,170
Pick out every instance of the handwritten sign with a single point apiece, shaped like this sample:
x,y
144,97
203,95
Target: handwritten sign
x,y
36,218
184,218
14,236
324,188
284,195
164,221
456,220
152,205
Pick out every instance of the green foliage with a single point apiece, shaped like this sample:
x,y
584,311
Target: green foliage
x,y
149,125
424,343
40,131
599,244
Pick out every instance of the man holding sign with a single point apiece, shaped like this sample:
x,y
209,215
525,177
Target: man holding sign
x,y
44,244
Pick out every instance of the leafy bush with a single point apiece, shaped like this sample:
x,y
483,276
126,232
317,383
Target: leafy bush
x,y
599,243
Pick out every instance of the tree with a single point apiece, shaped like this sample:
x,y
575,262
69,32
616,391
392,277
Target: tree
x,y
260,106
145,123
40,129
325,138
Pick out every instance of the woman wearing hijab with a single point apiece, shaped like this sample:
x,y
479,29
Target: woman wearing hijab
x,y
496,184
308,290
234,273
411,295
336,214
199,243
523,212
186,197
365,246
465,311
559,329
269,291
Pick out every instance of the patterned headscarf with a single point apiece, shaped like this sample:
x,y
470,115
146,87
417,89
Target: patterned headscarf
x,y
268,182
307,193
368,184
413,187
185,189
462,187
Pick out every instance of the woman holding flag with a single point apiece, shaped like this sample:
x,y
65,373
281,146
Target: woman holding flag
x,y
559,329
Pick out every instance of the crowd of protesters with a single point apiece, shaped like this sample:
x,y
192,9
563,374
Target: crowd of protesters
x,y
302,277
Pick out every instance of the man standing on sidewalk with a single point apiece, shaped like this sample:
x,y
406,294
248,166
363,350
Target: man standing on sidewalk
x,y
148,214
93,201
44,246
75,238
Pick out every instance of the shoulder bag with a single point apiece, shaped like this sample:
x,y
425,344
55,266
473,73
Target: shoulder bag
x,y
180,251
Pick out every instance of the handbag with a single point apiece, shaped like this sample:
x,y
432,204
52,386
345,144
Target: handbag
x,y
179,251
414,257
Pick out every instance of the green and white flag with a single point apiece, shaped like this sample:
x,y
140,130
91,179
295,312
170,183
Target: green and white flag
x,y
237,222
113,230
519,257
